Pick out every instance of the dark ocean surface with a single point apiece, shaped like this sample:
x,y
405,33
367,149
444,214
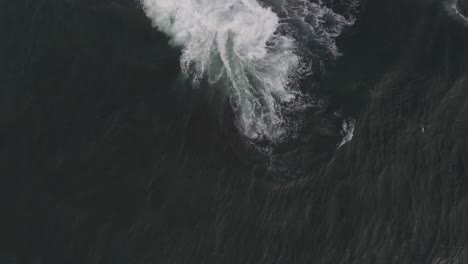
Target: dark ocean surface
x,y
109,155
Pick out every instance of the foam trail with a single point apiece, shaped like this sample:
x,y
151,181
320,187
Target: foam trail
x,y
246,46
455,10
347,131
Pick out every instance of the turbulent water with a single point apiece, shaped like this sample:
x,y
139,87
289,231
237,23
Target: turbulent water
x,y
254,52
234,132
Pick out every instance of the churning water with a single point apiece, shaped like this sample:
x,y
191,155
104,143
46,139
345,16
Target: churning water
x,y
255,50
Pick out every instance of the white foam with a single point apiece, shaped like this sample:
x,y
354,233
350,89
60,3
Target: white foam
x,y
452,8
240,43
347,131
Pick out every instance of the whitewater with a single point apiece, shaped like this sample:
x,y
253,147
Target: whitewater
x,y
256,50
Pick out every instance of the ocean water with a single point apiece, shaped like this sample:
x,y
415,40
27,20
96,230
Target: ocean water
x,y
235,131
250,50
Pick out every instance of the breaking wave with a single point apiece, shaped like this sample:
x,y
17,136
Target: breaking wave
x,y
258,51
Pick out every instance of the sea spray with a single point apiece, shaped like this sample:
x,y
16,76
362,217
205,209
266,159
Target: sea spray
x,y
250,49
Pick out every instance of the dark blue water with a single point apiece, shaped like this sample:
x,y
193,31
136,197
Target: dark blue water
x,y
107,155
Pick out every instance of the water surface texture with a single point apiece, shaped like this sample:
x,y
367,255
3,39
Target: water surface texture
x,y
234,131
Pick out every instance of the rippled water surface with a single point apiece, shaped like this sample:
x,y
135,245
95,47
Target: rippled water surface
x,y
235,131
